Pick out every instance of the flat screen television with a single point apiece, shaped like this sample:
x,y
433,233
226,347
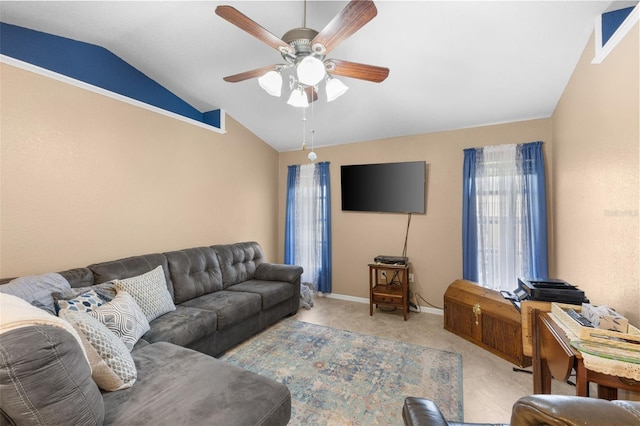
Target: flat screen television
x,y
386,187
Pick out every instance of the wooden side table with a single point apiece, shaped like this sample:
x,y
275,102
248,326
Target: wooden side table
x,y
389,286
553,356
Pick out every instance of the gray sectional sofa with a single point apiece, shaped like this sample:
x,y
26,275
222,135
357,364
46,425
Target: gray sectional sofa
x,y
223,294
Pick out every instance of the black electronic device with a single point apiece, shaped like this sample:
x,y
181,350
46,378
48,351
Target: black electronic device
x,y
391,260
386,187
579,318
550,290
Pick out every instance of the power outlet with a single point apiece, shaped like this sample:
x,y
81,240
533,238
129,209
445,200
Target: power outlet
x,y
411,278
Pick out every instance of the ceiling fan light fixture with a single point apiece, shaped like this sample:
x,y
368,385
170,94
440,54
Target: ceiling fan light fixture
x,y
335,88
271,82
298,98
310,70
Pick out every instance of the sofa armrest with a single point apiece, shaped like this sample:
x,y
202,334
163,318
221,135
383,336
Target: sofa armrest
x,y
563,409
278,272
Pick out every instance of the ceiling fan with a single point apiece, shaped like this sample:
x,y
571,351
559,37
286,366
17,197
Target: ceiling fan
x,y
304,51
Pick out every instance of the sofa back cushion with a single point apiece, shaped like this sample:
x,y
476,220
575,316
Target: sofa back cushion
x,y
78,277
194,272
131,267
239,261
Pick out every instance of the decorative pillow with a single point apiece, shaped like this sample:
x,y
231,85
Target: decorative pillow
x,y
112,365
37,289
150,293
85,302
124,318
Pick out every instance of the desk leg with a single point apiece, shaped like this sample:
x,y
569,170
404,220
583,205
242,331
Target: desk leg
x,y
541,372
582,386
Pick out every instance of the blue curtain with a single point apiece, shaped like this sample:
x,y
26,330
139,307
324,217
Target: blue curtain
x,y
323,205
536,205
290,216
536,198
324,278
469,217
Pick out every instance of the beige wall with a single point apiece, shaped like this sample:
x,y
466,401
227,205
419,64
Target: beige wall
x,y
435,238
596,141
86,178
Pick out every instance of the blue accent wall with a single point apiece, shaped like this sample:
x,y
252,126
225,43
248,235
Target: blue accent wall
x,y
97,66
611,21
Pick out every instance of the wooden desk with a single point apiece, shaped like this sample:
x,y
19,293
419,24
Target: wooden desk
x,y
553,356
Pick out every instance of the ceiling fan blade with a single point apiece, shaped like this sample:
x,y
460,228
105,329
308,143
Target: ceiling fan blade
x,y
312,94
355,70
249,74
350,19
248,25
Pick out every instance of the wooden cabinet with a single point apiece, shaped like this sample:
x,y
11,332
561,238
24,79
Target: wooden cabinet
x,y
484,317
389,286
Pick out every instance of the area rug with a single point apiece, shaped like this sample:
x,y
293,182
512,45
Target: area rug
x,y
338,377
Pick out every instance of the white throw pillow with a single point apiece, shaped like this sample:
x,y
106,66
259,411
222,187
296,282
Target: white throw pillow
x,y
123,317
111,363
150,293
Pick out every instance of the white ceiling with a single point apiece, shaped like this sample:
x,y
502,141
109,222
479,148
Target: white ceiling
x,y
453,64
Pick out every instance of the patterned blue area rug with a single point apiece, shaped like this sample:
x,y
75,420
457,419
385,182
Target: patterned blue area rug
x,y
338,377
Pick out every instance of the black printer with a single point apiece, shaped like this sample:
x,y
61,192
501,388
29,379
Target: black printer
x,y
549,290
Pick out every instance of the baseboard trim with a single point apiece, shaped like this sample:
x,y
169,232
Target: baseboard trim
x,y
423,309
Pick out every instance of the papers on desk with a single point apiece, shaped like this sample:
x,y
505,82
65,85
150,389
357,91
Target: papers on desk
x,y
629,340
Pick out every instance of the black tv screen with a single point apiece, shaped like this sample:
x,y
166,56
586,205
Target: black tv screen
x,y
386,187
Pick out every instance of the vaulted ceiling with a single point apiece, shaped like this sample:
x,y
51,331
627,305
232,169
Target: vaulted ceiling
x,y
453,64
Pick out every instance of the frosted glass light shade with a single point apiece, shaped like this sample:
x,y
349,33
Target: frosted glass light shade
x,y
298,98
312,156
310,71
335,88
271,82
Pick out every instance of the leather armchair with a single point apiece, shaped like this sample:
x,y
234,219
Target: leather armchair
x,y
552,410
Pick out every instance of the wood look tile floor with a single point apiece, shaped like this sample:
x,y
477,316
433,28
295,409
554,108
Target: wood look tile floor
x,y
490,386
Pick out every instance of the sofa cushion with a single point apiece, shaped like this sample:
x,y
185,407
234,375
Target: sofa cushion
x,y
78,277
182,327
179,386
123,317
45,379
194,272
271,292
150,292
131,267
231,307
111,363
238,261
37,289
